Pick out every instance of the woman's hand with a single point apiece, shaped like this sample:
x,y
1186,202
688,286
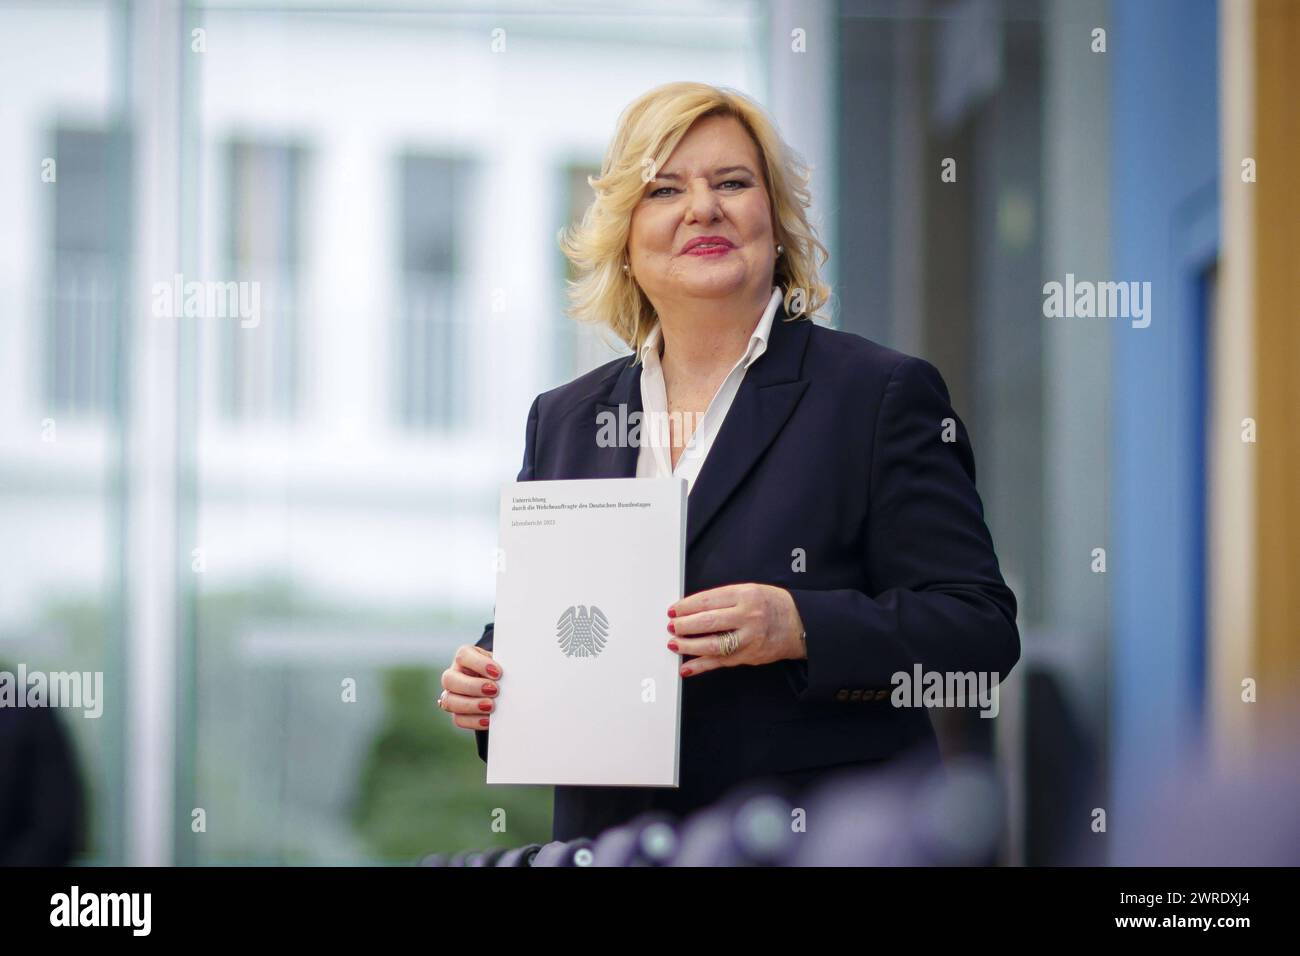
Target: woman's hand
x,y
469,685
764,618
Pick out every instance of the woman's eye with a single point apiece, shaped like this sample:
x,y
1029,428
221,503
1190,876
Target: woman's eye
x,y
730,182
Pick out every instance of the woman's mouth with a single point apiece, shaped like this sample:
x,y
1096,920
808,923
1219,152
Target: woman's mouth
x,y
709,246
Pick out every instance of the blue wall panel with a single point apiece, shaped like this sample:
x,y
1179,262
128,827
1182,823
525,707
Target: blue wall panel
x,y
1165,160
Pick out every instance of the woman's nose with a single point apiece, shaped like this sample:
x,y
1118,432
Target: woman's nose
x,y
702,204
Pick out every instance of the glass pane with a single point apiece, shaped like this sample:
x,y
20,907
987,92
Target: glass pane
x,y
398,174
64,241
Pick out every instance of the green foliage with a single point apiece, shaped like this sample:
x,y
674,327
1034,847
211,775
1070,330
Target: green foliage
x,y
287,772
421,789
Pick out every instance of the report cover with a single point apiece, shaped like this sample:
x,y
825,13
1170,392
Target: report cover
x,y
590,692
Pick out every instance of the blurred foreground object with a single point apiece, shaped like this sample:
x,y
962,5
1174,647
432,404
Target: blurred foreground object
x,y
1241,815
914,813
41,799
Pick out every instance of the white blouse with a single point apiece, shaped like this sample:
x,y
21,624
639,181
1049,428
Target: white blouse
x,y
654,459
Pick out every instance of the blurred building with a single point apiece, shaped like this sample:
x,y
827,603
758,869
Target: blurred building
x,y
270,531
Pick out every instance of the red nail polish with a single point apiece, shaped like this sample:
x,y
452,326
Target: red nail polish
x,y
672,612
672,627
485,705
672,645
482,721
686,672
489,688
493,670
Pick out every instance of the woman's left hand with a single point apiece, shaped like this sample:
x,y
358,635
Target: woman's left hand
x,y
763,616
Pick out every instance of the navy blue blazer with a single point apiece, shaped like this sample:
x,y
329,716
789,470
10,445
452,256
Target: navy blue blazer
x,y
833,450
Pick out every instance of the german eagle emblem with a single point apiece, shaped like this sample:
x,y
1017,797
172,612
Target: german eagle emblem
x,y
582,632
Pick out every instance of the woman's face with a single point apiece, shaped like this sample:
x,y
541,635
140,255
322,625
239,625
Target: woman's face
x,y
711,185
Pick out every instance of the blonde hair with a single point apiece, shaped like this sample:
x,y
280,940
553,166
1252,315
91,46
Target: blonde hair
x,y
649,129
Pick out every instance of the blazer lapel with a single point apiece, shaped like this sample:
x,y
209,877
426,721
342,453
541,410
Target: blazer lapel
x,y
619,459
767,397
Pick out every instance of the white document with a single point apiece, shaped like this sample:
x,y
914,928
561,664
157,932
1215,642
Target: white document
x,y
590,692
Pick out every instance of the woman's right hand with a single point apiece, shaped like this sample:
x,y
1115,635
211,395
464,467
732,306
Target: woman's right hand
x,y
469,685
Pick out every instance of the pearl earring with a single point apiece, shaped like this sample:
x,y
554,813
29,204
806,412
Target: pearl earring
x,y
779,248
626,270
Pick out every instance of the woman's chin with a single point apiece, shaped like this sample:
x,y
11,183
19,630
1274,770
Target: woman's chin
x,y
712,281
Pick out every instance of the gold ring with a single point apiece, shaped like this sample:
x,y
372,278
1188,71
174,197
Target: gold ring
x,y
728,643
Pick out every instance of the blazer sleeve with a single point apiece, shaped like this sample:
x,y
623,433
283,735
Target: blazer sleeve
x,y
938,598
525,474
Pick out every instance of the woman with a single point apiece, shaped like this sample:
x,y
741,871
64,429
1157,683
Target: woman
x,y
834,537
